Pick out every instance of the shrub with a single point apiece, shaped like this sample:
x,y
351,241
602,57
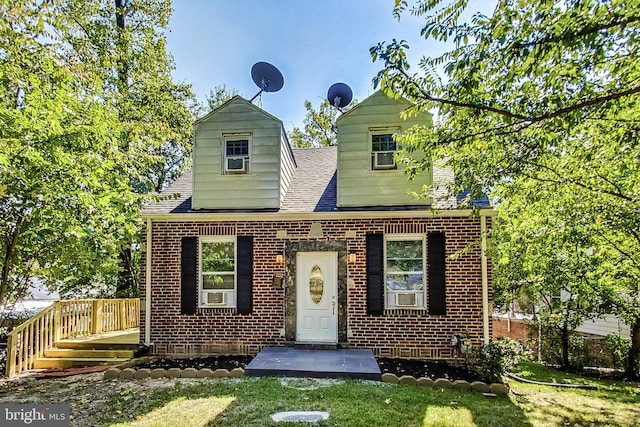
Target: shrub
x,y
619,348
493,360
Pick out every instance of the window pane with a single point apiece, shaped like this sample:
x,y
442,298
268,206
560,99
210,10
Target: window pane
x,y
238,148
217,281
383,142
404,255
218,257
404,265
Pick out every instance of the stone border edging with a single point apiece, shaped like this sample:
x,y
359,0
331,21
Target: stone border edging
x,y
444,383
126,371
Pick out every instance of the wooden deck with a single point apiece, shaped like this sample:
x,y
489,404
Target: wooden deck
x,y
70,334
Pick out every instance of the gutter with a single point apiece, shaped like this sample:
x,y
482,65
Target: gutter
x,y
204,216
485,279
147,300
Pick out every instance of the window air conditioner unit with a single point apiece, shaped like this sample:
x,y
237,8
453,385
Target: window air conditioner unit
x,y
406,300
216,298
237,164
384,160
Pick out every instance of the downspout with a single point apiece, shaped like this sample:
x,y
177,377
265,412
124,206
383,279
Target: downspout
x,y
147,299
485,278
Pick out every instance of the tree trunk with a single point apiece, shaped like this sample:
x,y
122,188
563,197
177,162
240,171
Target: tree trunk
x,y
565,347
633,361
127,281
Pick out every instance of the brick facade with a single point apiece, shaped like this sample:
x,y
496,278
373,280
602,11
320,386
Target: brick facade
x,y
395,333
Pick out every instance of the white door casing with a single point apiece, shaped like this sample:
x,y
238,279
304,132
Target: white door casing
x,y
317,297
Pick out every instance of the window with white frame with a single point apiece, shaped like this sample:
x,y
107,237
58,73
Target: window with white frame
x,y
404,271
236,153
217,272
383,148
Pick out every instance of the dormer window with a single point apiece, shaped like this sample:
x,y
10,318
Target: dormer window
x,y
237,158
383,148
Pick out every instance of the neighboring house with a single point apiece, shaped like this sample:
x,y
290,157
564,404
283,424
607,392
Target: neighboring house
x,y
608,325
38,298
265,245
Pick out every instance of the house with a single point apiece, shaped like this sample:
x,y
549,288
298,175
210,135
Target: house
x,y
265,245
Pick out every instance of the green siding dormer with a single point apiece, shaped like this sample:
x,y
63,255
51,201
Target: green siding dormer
x,y
241,159
367,174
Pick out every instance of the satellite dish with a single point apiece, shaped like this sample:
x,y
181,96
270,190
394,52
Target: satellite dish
x,y
339,95
267,77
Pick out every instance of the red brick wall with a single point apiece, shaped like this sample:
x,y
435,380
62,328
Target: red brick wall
x,y
397,333
510,328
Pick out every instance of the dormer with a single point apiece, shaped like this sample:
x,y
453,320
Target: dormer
x,y
242,159
368,175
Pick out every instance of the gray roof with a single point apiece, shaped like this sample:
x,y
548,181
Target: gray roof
x,y
312,188
176,198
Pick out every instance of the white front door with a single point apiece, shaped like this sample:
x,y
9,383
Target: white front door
x,y
317,297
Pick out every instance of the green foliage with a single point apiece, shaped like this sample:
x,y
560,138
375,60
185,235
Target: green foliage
x,y
539,108
320,126
81,146
495,359
619,348
219,95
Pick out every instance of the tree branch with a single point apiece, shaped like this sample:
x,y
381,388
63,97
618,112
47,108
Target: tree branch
x,y
619,21
421,93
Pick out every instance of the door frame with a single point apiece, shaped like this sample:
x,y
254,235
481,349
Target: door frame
x,y
291,248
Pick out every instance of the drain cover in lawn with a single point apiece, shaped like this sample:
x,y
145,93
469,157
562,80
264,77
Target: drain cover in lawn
x,y
298,416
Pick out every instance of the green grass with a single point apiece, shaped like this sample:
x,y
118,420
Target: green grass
x,y
250,402
613,403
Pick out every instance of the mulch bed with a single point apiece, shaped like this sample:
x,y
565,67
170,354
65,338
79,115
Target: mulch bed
x,y
399,367
427,369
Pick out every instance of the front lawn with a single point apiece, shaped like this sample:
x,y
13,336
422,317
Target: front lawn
x,y
250,402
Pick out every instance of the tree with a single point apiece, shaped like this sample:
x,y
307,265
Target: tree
x,y
92,126
219,95
127,44
544,256
62,193
320,126
538,102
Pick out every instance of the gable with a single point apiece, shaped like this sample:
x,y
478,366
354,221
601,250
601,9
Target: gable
x,y
359,163
241,159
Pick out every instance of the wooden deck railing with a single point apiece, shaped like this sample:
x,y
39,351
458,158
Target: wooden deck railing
x,y
67,319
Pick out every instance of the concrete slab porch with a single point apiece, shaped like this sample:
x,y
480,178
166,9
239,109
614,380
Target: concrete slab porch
x,y
301,363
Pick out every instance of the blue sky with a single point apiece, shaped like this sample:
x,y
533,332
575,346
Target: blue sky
x,y
313,43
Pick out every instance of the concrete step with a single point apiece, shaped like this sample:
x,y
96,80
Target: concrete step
x,y
76,362
68,353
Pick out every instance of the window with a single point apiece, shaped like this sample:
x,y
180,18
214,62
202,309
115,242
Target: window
x,y
217,272
404,271
236,154
383,148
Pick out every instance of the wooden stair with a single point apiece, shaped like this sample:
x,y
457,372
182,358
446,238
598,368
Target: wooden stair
x,y
94,350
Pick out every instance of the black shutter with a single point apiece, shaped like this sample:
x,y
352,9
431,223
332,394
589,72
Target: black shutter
x,y
189,275
245,274
375,274
436,280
